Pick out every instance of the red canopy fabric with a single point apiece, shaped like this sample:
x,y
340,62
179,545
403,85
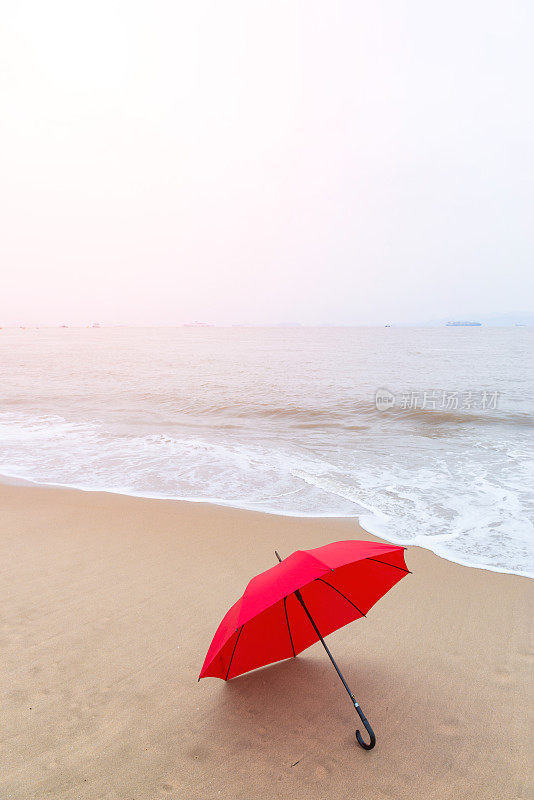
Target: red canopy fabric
x,y
339,583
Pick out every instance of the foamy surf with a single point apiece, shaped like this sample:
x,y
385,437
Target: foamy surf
x,y
479,522
295,433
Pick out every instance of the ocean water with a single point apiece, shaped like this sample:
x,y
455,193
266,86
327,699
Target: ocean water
x,y
426,435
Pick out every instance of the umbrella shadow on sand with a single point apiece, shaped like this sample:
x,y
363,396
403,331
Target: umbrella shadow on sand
x,y
299,698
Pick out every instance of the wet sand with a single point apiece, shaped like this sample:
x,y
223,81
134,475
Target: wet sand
x,y
109,604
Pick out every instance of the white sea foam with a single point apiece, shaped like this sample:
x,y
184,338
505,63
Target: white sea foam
x,y
294,432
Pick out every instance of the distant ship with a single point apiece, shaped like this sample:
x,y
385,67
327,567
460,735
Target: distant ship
x,y
464,324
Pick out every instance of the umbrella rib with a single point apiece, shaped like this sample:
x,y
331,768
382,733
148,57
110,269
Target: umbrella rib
x,y
342,595
387,564
288,628
233,651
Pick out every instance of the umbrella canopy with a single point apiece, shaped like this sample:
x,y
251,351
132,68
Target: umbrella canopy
x,y
298,601
339,583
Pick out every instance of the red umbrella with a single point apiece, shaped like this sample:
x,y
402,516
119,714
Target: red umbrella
x,y
273,620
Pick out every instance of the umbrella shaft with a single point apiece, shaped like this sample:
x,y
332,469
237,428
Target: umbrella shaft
x,y
329,654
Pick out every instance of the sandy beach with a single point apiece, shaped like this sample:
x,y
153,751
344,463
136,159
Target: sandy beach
x,y
109,604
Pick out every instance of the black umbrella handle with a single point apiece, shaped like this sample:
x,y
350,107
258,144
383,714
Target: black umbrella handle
x,y
363,718
367,728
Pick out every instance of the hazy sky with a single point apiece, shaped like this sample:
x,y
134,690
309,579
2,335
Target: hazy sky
x,y
335,162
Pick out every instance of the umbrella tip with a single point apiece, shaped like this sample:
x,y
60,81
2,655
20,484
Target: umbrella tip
x,y
277,555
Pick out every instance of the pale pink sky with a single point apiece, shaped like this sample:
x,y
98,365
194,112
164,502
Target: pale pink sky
x,y
342,162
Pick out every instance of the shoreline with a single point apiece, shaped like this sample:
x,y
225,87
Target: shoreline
x,y
110,603
15,480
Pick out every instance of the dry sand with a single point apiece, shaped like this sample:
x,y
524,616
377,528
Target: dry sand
x,y
108,606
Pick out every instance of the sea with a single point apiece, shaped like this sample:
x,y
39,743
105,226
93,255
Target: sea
x,y
426,435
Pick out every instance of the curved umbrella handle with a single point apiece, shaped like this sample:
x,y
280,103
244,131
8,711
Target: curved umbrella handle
x,y
367,728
